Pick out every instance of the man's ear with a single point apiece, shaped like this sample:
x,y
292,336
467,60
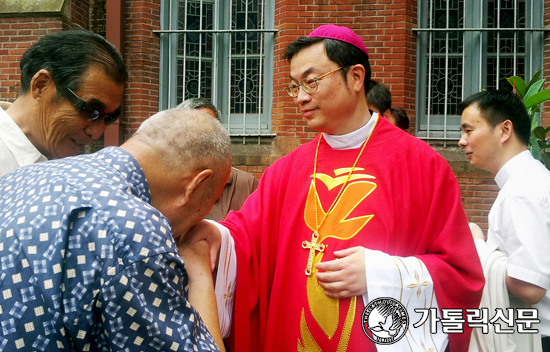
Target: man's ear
x,y
196,182
40,81
358,75
507,129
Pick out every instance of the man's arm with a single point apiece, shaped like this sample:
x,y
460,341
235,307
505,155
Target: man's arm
x,y
222,250
201,286
528,292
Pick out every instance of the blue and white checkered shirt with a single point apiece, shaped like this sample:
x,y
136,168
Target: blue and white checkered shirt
x,y
88,264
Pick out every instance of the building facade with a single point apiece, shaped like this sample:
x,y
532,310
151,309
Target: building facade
x,y
429,53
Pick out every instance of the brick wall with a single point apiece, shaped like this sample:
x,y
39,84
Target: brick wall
x,y
98,17
385,25
17,35
141,54
392,46
79,15
20,33
478,191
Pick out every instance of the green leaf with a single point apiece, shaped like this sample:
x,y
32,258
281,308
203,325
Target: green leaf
x,y
539,132
534,123
534,78
534,89
532,96
518,83
545,159
537,98
532,142
534,147
533,109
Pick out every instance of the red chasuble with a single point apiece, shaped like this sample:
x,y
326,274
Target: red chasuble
x,y
401,199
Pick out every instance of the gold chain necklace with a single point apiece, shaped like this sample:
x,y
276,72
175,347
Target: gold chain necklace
x,y
313,246
317,225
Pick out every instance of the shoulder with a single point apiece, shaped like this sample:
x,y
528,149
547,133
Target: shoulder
x,y
137,226
530,182
127,234
289,164
297,155
400,145
243,177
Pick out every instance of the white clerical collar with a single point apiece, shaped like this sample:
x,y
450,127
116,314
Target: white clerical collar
x,y
511,165
352,140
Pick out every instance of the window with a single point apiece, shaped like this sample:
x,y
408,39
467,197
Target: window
x,y
221,50
468,45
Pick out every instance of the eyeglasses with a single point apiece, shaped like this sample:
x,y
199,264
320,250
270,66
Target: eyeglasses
x,y
89,112
309,85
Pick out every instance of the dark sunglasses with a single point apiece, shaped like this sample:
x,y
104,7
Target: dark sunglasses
x,y
89,112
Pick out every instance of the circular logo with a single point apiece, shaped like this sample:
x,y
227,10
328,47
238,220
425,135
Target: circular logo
x,y
385,321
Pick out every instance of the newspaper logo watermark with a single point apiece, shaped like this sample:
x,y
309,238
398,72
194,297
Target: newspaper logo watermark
x,y
385,321
504,321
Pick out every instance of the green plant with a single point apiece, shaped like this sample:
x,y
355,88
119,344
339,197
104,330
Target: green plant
x,y
533,95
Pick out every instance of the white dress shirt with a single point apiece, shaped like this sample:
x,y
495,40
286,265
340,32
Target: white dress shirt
x,y
15,148
519,223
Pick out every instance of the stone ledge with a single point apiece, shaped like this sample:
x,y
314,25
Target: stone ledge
x,y
32,8
457,160
272,148
264,154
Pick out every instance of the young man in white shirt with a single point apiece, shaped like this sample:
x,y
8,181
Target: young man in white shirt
x,y
495,135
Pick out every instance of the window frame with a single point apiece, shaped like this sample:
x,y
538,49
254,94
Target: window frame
x,y
474,57
238,124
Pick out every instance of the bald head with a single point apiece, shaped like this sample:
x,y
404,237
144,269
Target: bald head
x,y
186,138
186,158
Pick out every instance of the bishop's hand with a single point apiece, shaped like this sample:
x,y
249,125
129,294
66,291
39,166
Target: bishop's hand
x,y
344,277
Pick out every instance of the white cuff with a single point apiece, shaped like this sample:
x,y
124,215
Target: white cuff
x,y
481,247
407,280
225,279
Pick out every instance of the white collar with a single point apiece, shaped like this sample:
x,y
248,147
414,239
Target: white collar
x,y
511,165
24,152
352,140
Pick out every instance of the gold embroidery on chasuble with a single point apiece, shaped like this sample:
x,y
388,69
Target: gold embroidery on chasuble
x,y
416,288
336,224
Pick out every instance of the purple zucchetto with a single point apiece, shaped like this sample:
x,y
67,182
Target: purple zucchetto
x,y
344,34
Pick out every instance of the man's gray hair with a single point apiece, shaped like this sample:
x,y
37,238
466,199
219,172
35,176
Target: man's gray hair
x,y
198,103
187,138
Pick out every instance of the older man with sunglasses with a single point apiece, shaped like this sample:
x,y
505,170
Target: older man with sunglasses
x,y
71,87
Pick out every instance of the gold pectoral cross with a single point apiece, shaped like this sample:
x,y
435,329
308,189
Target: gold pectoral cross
x,y
337,225
313,247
